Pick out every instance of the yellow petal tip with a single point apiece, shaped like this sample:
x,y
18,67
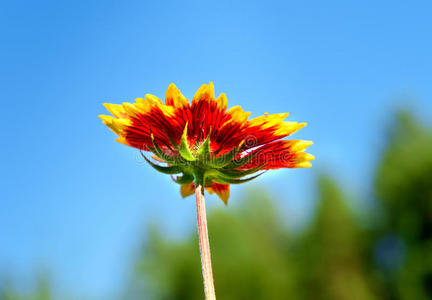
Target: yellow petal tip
x,y
106,119
304,165
301,145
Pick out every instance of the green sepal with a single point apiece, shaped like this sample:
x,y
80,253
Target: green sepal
x,y
165,170
184,148
175,145
185,179
226,180
240,162
230,174
223,160
239,173
158,151
204,150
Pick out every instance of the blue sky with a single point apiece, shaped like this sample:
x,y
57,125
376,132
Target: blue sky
x,y
77,203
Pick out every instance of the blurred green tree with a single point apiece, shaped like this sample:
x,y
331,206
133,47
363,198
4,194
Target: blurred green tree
x,y
331,254
42,291
403,187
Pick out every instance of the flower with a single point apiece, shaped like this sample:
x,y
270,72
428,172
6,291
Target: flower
x,y
204,142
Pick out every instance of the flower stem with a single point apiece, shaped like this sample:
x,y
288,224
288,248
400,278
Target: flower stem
x,y
204,244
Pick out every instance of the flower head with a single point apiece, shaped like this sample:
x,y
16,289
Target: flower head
x,y
204,142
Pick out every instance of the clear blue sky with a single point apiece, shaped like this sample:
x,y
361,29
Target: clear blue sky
x,y
76,202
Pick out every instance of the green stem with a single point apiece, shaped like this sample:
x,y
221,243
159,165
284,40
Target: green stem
x,y
204,244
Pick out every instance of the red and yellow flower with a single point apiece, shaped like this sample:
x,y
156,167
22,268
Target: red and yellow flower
x,y
204,142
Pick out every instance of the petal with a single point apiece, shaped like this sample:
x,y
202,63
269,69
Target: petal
x,y
266,121
209,190
156,102
238,115
204,93
222,190
280,154
174,97
187,189
207,113
143,105
229,131
130,109
222,102
288,128
269,128
303,165
123,141
300,145
302,157
153,99
116,110
134,122
118,126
